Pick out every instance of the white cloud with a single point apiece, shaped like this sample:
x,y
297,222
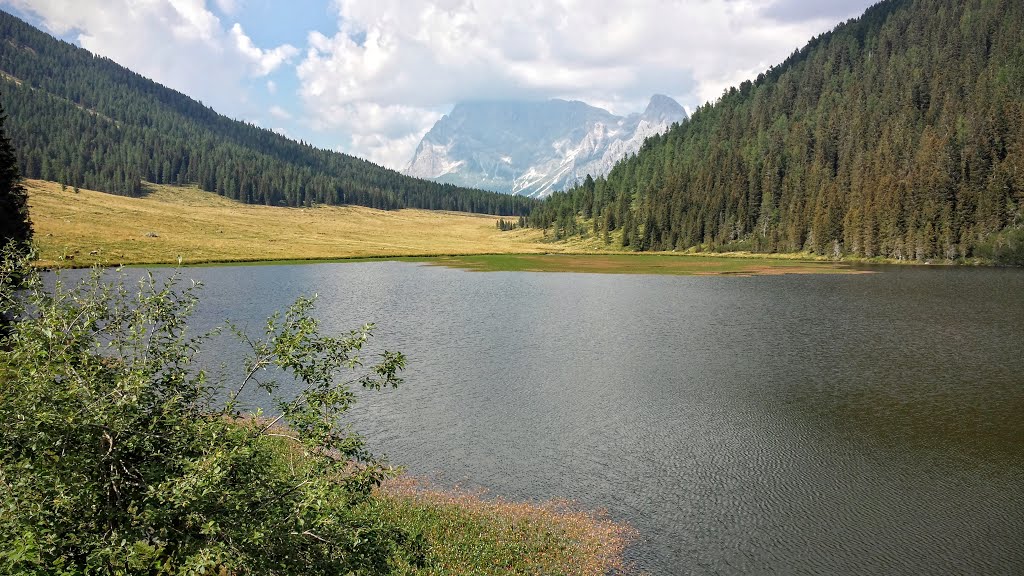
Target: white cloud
x,y
280,113
264,61
179,43
392,67
384,134
401,63
712,88
228,6
379,149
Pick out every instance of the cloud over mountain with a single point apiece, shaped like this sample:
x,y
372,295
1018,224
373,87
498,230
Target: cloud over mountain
x,y
375,76
179,43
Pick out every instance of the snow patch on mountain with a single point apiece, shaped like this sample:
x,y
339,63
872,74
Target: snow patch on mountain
x,y
534,148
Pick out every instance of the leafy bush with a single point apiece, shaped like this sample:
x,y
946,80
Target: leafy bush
x,y
1005,247
119,455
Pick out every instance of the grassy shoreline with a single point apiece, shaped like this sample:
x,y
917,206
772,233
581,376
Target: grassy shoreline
x,y
182,225
450,260
610,263
171,223
642,263
470,533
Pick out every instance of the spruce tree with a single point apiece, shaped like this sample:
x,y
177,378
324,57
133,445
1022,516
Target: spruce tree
x,y
899,134
15,225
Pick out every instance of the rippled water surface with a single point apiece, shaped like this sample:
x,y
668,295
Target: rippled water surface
x,y
869,424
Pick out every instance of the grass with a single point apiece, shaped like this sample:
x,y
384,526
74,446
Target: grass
x,y
675,264
173,223
184,222
466,533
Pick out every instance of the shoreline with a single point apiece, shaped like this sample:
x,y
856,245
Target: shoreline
x,y
88,228
790,260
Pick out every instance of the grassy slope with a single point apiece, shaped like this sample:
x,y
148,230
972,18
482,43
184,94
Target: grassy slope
x,y
201,227
92,227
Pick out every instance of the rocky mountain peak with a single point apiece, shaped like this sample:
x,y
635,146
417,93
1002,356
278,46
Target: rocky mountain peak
x,y
534,148
661,109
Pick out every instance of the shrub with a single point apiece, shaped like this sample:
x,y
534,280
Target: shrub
x,y
119,455
1005,247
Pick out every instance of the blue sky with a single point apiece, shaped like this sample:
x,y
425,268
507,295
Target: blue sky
x,y
370,77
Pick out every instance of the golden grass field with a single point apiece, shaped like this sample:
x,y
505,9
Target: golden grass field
x,y
173,222
93,227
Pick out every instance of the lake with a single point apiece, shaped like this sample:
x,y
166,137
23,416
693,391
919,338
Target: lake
x,y
819,424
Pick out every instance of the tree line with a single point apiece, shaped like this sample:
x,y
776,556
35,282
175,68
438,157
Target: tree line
x,y
86,121
898,134
506,225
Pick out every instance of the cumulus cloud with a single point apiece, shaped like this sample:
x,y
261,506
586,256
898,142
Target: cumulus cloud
x,y
263,61
179,43
386,134
391,66
228,6
280,113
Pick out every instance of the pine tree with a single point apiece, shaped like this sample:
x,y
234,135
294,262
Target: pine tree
x,y
15,225
898,135
90,123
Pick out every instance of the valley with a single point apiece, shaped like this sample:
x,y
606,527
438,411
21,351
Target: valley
x,y
771,324
76,229
171,222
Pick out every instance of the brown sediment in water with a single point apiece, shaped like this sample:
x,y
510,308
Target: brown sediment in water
x,y
642,264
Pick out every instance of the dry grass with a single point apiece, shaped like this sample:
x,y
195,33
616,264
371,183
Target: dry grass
x,y
92,227
467,533
173,222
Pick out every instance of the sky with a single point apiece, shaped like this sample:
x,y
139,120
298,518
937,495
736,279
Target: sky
x,y
370,77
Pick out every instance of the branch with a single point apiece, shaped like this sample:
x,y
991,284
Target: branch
x,y
258,363
271,425
311,535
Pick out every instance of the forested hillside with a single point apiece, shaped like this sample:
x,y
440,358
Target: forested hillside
x,y
83,120
898,134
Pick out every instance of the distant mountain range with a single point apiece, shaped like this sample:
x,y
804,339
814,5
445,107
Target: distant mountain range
x,y
534,148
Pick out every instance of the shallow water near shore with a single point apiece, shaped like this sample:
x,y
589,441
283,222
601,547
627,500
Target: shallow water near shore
x,y
819,424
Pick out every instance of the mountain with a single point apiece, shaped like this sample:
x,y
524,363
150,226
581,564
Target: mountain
x,y
85,121
898,134
534,148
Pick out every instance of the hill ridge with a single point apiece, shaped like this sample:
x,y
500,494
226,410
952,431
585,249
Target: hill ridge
x,y
898,134
165,136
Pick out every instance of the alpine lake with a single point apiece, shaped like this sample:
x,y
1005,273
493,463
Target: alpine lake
x,y
768,424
